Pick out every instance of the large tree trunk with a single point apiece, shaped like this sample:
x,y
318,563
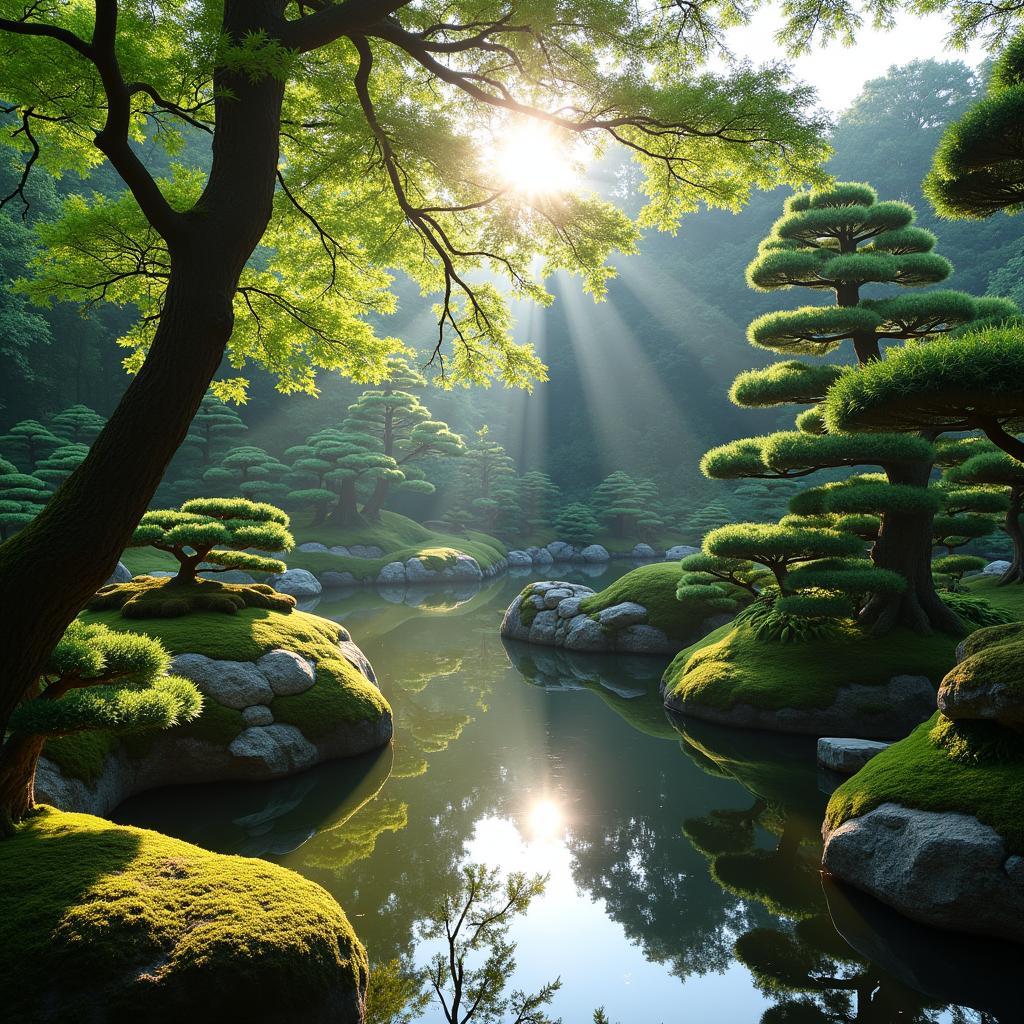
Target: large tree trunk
x,y
1015,574
18,758
348,510
371,510
52,567
904,545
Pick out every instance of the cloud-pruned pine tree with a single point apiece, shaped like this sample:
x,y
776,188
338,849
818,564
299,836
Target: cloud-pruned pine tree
x,y
628,507
841,240
27,443
77,424
249,470
978,167
59,464
538,496
576,523
22,497
408,434
486,485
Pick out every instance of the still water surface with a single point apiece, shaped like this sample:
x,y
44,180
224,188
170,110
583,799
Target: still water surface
x,y
682,858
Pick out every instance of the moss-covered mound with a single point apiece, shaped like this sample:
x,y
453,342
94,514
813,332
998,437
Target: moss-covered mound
x,y
340,712
1009,597
654,587
934,825
848,681
104,922
399,538
155,597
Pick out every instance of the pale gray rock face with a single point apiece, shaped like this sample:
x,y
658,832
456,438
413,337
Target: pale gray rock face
x,y
417,572
393,573
996,568
847,755
945,869
235,684
991,701
312,545
297,582
561,551
512,625
681,551
229,576
619,616
555,595
258,714
286,672
595,553
519,559
337,579
641,639
585,635
366,551
644,551
121,574
465,568
279,748
339,549
569,607
540,556
353,654
542,629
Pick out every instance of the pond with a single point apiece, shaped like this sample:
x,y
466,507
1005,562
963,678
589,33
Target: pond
x,y
682,858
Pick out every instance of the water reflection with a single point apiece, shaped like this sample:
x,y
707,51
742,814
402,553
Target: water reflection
x,y
683,858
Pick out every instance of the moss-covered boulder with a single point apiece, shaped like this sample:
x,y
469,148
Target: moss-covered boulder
x,y
101,922
637,614
934,826
843,682
281,692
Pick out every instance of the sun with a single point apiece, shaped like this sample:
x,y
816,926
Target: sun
x,y
533,159
545,818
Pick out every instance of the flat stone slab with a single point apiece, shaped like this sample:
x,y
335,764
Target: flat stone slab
x,y
847,755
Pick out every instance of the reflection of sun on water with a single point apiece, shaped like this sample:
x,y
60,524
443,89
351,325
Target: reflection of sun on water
x,y
545,820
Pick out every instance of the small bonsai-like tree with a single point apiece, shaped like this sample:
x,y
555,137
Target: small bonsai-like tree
x,y
250,470
576,524
212,535
95,679
951,569
214,428
22,496
487,481
56,467
78,424
629,507
538,496
706,518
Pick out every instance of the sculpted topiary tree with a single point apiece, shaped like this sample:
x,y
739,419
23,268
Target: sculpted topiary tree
x,y
627,506
22,497
538,496
78,424
295,96
576,524
212,534
27,443
336,462
404,427
978,168
839,240
486,482
215,427
250,470
707,517
997,470
94,679
56,467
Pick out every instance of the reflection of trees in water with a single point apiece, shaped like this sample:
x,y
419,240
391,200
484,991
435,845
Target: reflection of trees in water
x,y
769,854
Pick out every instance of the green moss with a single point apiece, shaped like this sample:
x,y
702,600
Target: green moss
x,y
130,924
157,597
1009,597
654,587
81,755
527,609
732,667
921,773
341,694
400,538
142,561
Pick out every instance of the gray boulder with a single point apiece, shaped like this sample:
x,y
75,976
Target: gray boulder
x,y
569,607
512,624
681,551
465,568
297,582
312,545
229,576
519,559
279,748
619,616
340,549
586,635
595,553
540,556
963,697
121,574
945,869
366,551
554,596
561,551
286,672
393,573
847,755
542,629
640,639
996,568
337,579
644,551
258,714
417,572
235,684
